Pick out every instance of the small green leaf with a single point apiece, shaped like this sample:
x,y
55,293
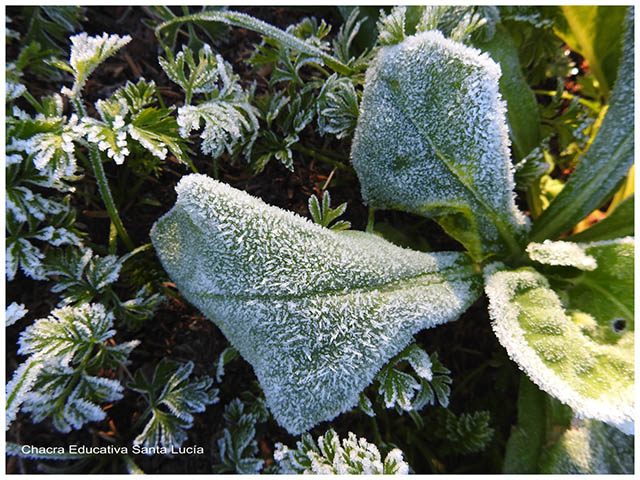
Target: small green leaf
x,y
366,406
316,313
431,139
583,355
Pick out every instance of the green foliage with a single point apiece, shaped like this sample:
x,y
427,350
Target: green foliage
x,y
606,162
237,448
354,456
597,36
617,224
579,350
173,398
363,297
411,392
82,277
323,214
466,433
60,379
50,25
548,439
450,165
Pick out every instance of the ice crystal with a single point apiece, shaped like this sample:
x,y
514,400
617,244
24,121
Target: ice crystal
x,y
14,312
432,139
561,253
316,312
88,52
354,456
578,355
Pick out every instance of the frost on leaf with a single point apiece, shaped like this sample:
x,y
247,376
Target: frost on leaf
x,y
561,253
581,350
316,312
431,139
589,447
352,456
89,52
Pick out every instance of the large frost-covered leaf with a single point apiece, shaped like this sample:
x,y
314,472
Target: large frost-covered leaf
x,y
581,349
316,312
606,162
431,139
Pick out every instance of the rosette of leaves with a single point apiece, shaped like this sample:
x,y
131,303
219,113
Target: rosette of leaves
x,y
63,378
363,297
352,456
566,321
173,398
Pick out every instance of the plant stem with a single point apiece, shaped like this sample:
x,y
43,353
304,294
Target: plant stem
x,y
321,157
103,184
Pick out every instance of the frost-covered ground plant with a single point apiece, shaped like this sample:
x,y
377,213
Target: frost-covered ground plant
x,y
484,150
64,375
352,456
432,139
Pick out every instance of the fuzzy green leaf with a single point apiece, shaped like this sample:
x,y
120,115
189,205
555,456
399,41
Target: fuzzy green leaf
x,y
590,447
606,162
317,313
432,139
582,355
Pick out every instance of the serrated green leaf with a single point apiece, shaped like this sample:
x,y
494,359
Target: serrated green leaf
x,y
366,406
606,162
619,223
268,278
583,356
432,139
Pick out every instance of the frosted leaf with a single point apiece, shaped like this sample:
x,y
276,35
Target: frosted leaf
x,y
574,354
391,28
191,77
14,90
352,456
226,123
337,107
54,151
14,312
432,139
589,447
268,278
173,397
110,133
89,52
561,253
22,253
58,380
21,383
